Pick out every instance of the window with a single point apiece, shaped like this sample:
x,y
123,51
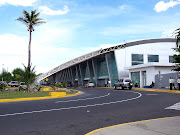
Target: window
x,y
137,59
171,59
127,81
121,80
153,58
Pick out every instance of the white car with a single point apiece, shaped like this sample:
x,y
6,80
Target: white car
x,y
123,83
22,86
13,84
90,84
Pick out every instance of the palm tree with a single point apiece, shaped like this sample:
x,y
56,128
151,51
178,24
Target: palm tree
x,y
29,76
177,36
30,20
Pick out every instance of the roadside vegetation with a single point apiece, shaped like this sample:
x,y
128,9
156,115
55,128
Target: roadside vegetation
x,y
30,20
28,74
176,57
22,94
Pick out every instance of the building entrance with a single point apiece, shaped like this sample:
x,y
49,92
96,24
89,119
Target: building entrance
x,y
135,77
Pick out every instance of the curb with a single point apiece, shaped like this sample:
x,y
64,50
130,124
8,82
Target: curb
x,y
157,90
96,130
37,98
145,89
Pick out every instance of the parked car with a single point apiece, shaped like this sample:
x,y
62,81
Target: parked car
x,y
90,84
22,86
13,84
123,83
3,83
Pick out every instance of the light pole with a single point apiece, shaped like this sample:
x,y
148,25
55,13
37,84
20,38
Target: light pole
x,y
2,71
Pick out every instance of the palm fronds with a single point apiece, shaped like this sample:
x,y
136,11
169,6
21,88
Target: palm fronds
x,y
176,33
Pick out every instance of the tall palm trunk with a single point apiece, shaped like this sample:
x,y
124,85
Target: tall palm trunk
x,y
29,57
29,49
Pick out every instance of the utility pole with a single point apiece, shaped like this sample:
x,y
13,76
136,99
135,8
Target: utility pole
x,y
2,71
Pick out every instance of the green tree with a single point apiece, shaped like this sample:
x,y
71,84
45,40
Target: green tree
x,y
30,20
18,74
176,33
29,76
6,76
177,49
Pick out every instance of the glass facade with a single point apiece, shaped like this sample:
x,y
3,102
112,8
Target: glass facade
x,y
171,59
135,77
137,59
112,65
102,71
91,69
85,71
75,74
79,75
99,70
153,58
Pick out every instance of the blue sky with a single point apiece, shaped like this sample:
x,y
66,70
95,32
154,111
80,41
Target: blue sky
x,y
76,27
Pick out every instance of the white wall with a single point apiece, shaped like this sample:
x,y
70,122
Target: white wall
x,y
150,73
123,56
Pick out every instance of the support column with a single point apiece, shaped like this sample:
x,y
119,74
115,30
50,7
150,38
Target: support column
x,y
95,75
89,71
60,77
72,78
108,70
81,75
77,75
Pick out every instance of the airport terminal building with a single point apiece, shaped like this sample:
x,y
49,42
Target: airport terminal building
x,y
139,60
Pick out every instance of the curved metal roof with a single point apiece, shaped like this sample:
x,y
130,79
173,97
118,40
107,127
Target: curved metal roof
x,y
102,51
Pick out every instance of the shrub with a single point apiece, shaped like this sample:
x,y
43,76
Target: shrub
x,y
61,85
37,87
2,87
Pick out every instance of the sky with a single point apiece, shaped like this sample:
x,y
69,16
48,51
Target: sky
x,y
77,27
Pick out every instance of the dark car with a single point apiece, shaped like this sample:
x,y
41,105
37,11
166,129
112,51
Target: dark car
x,y
123,83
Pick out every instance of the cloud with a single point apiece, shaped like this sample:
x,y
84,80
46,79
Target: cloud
x,y
123,7
47,11
13,51
162,6
168,33
131,30
18,2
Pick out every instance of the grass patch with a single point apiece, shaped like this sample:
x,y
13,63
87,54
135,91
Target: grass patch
x,y
22,94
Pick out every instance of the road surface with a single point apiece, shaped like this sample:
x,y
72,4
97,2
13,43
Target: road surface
x,y
78,115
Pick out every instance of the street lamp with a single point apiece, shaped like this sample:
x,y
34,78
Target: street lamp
x,y
2,71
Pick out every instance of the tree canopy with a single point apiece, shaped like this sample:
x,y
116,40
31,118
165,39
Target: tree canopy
x,y
177,49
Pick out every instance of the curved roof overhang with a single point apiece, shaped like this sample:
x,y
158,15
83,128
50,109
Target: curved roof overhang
x,y
100,52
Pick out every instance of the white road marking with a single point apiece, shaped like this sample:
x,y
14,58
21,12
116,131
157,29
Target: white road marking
x,y
84,99
174,107
76,107
151,94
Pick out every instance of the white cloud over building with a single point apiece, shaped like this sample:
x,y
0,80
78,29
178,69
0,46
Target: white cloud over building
x,y
18,2
47,11
163,6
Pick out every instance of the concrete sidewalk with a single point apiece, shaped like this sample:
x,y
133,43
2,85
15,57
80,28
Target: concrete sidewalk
x,y
157,90
161,126
150,89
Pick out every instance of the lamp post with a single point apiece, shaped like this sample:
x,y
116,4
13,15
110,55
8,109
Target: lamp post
x,y
2,71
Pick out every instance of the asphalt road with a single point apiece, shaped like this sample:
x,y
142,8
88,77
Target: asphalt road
x,y
78,115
